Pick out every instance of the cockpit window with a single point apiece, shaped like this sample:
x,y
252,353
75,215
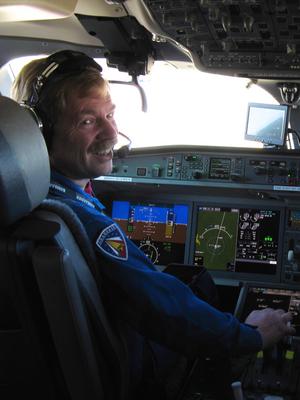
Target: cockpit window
x,y
189,107
184,106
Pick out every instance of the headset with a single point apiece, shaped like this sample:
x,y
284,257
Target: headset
x,y
55,67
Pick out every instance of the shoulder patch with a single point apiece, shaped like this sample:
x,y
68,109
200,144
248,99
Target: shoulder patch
x,y
112,242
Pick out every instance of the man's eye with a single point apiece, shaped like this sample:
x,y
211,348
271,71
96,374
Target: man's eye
x,y
87,122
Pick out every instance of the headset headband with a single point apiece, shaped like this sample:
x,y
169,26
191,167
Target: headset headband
x,y
62,63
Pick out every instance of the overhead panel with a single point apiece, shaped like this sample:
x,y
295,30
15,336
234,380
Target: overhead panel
x,y
246,38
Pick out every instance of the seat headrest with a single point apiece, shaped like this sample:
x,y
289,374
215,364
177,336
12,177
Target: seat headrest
x,y
24,162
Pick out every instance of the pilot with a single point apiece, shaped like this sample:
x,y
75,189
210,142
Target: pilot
x,y
160,316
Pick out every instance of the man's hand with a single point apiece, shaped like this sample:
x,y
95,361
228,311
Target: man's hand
x,y
272,324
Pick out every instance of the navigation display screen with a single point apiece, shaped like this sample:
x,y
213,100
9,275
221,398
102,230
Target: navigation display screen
x,y
237,239
159,230
258,298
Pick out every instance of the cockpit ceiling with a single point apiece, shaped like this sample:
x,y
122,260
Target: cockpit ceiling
x,y
251,38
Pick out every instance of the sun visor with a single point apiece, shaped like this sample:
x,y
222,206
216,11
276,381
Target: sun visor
x,y
33,10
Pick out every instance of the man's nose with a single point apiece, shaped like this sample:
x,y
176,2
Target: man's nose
x,y
109,131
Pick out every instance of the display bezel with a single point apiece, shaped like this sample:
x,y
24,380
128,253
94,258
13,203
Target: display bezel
x,y
163,202
240,311
276,141
222,276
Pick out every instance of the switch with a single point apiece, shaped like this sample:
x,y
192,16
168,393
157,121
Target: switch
x,y
260,170
290,255
141,171
156,171
238,177
197,175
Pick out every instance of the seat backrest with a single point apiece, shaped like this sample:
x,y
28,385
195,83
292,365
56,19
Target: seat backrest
x,y
56,341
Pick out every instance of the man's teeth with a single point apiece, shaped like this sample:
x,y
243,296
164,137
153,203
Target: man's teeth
x,y
103,153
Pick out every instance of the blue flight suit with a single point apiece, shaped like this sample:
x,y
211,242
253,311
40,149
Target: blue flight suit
x,y
153,305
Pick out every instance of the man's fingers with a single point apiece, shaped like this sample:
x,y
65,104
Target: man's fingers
x,y
287,317
290,330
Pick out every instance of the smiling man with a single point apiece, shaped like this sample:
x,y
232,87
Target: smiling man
x,y
89,133
161,318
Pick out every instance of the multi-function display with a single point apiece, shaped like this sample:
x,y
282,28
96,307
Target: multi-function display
x,y
159,230
237,239
258,298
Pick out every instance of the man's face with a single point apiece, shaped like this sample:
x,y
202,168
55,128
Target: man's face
x,y
85,136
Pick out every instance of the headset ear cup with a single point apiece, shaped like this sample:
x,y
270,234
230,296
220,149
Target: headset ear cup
x,y
34,114
46,126
42,122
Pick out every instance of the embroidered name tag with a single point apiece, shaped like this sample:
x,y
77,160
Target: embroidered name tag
x,y
111,241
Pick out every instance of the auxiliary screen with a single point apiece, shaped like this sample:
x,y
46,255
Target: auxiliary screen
x,y
237,239
258,298
267,123
159,230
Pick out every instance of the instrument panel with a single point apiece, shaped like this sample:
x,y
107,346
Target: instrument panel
x,y
235,211
274,170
